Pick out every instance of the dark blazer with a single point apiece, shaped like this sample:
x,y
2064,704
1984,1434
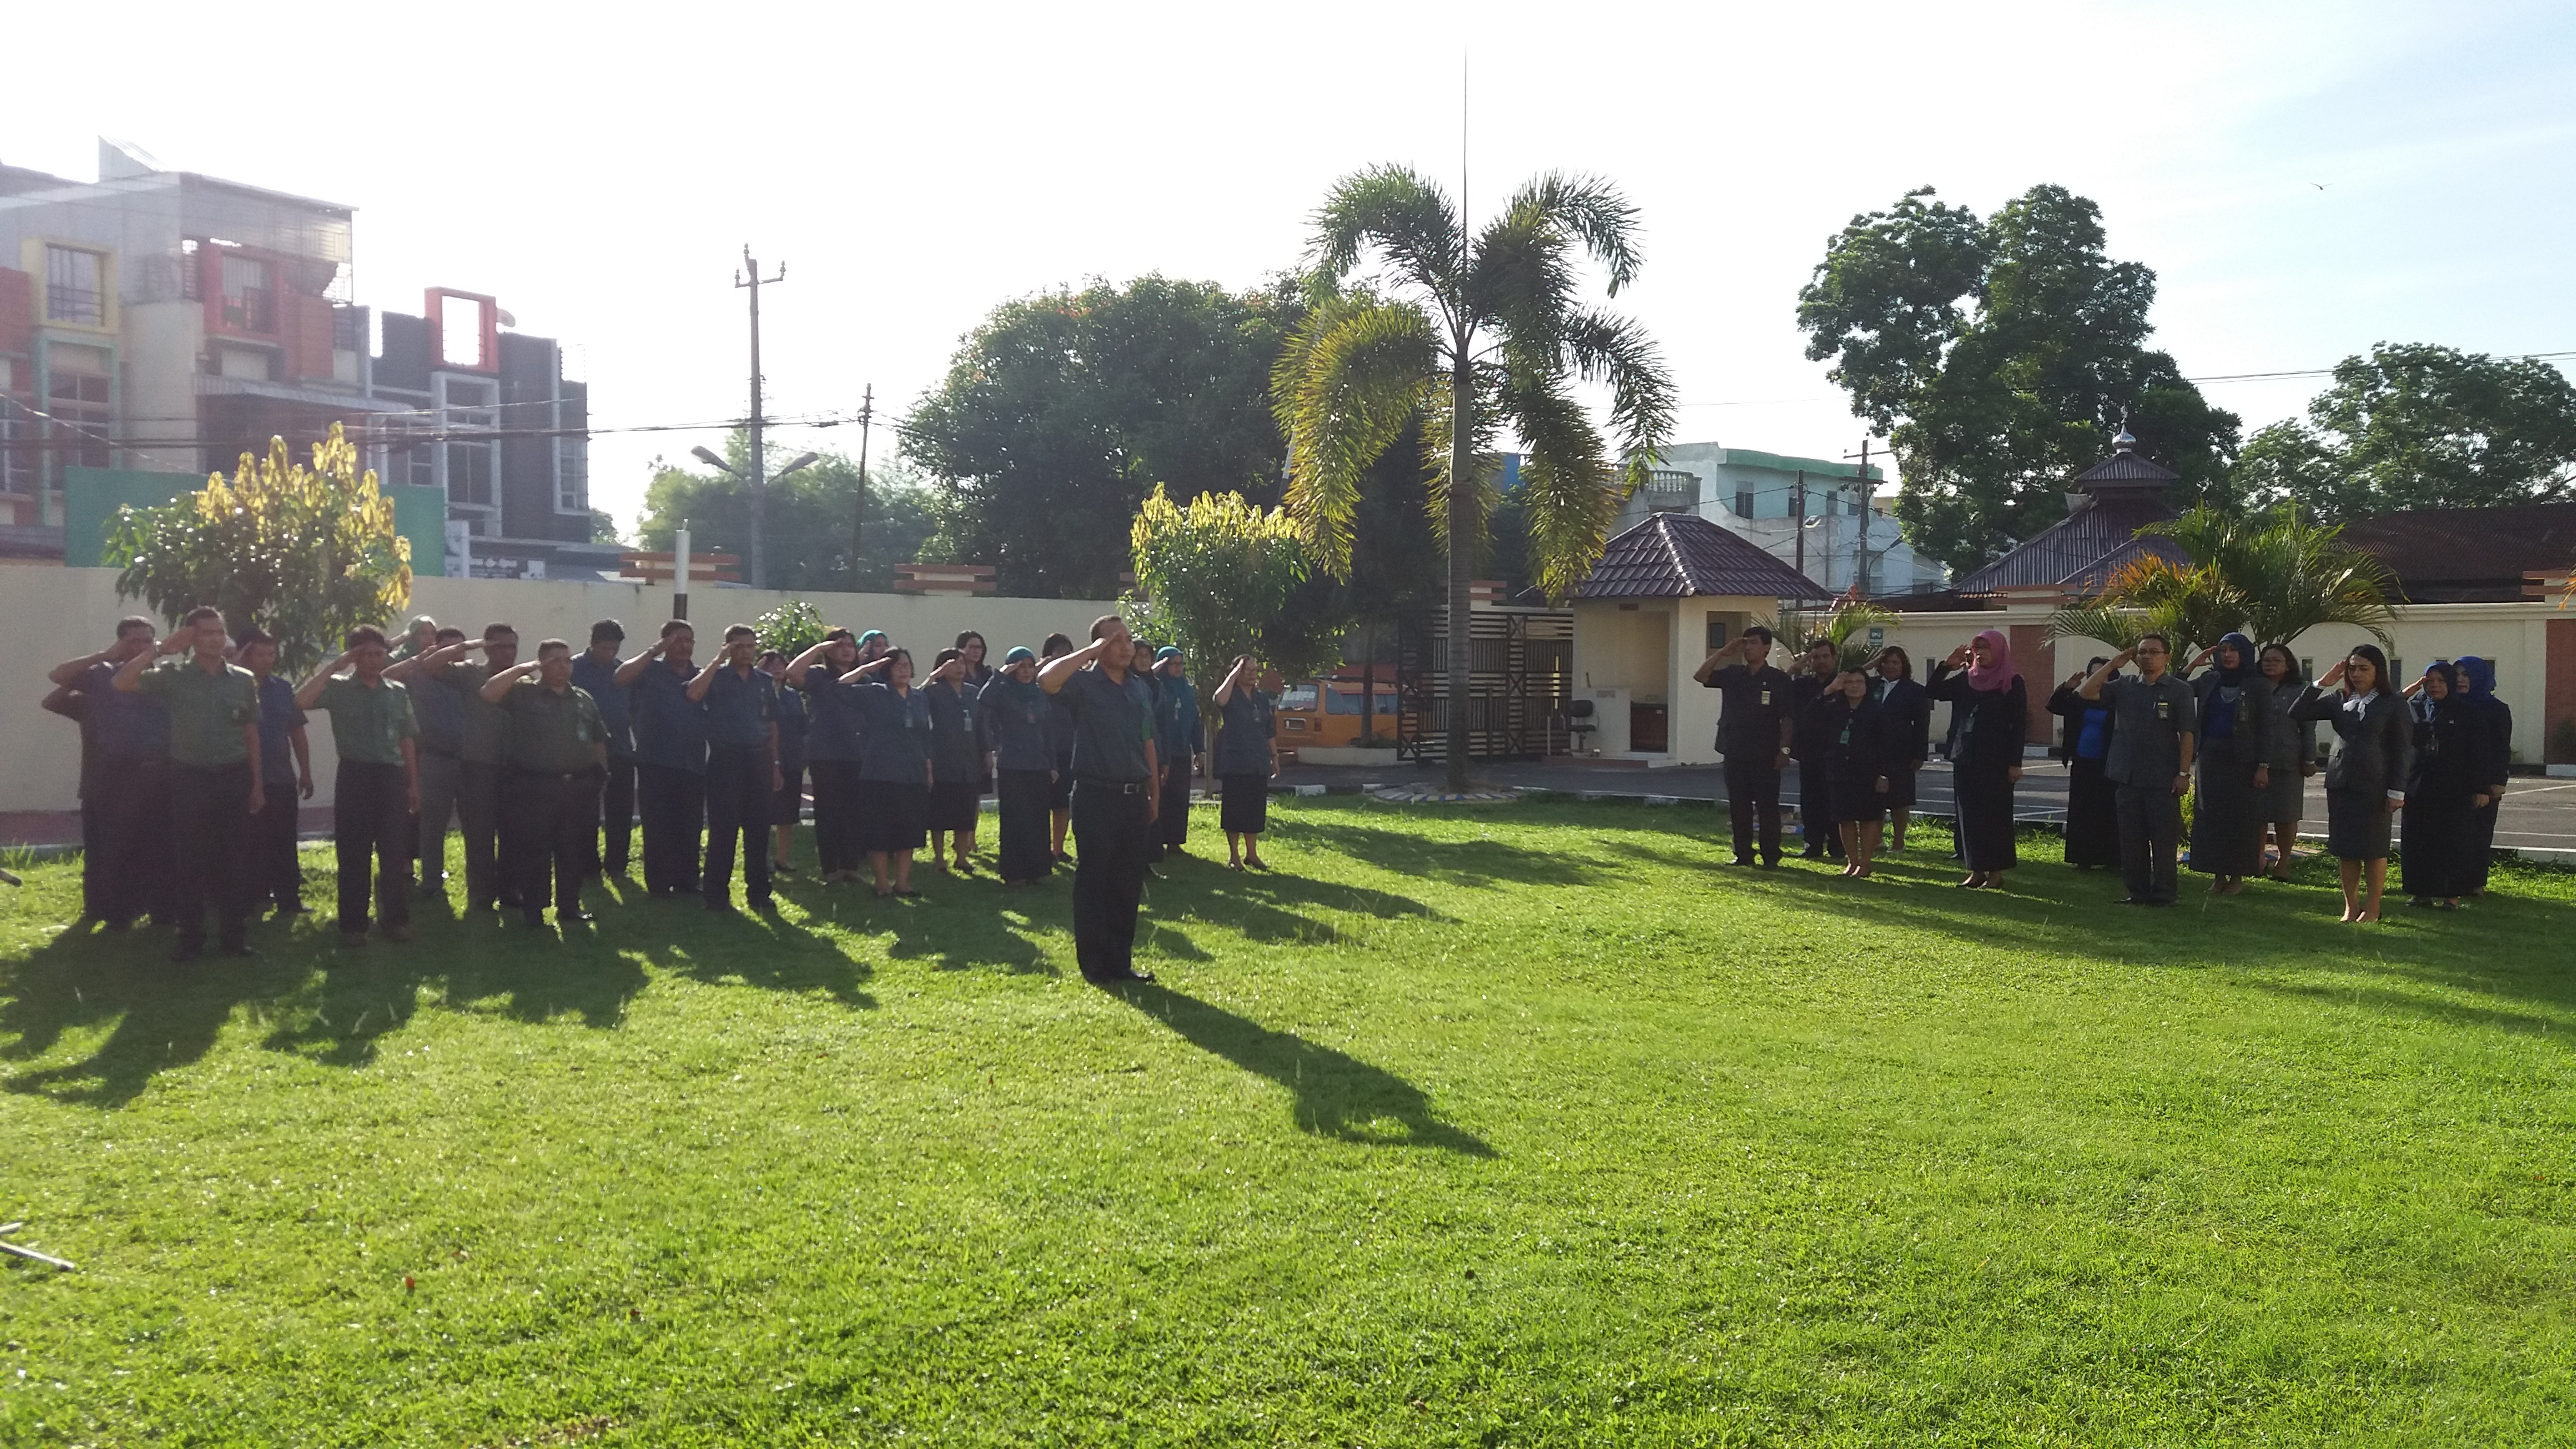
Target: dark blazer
x,y
2375,746
1906,718
2262,734
1864,752
1987,725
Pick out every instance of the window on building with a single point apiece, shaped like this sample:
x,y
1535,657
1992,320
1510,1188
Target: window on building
x,y
250,296
572,476
79,403
1744,503
469,472
473,466
18,452
75,287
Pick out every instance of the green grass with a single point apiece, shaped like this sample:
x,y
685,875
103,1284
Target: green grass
x,y
1519,1126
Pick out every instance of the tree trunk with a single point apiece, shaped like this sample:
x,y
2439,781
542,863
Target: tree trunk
x,y
1462,553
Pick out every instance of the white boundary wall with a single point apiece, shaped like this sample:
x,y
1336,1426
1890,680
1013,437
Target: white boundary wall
x,y
53,614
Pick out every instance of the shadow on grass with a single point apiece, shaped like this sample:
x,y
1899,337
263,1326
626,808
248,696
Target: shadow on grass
x,y
1273,905
1479,862
1337,1095
331,1005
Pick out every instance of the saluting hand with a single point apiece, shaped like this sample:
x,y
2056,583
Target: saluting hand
x,y
1958,656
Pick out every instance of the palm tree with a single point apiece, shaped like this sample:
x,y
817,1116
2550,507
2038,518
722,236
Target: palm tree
x,y
1475,335
2269,574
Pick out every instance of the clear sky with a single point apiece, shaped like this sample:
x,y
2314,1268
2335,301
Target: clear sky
x,y
2305,179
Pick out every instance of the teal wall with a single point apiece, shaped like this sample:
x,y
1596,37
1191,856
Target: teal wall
x,y
91,497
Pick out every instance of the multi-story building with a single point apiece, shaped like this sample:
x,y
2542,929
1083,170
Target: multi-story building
x,y
164,321
1823,518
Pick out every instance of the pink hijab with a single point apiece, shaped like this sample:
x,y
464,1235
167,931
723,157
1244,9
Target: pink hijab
x,y
1998,675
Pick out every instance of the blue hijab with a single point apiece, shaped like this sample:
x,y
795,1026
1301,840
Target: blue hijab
x,y
2481,674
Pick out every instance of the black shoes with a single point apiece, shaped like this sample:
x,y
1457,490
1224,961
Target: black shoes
x,y
1115,978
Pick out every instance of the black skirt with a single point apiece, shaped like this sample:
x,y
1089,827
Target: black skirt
x,y
1855,798
2481,843
1243,803
1060,795
954,804
2092,815
2226,814
1985,794
2358,824
893,816
1900,786
1172,827
1023,796
2440,826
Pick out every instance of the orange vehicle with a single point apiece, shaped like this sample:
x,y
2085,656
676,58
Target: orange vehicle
x,y
1327,711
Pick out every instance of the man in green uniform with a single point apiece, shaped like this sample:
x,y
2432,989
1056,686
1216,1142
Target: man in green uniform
x,y
378,789
483,754
215,784
558,757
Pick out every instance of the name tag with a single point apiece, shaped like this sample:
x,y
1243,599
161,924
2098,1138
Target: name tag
x,y
2164,709
1766,696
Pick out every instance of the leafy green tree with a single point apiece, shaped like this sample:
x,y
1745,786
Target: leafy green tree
x,y
1062,411
1467,335
305,553
603,527
1221,578
791,628
1995,354
2274,575
1845,625
809,515
2419,426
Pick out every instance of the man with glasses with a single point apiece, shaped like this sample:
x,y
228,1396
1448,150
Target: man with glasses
x,y
2154,724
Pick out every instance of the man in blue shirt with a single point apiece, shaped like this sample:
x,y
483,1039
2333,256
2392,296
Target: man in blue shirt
x,y
741,705
1115,794
126,868
286,769
594,672
670,759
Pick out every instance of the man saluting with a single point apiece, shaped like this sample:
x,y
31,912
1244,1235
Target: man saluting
x,y
1115,801
214,779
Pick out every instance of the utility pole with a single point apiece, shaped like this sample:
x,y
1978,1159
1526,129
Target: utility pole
x,y
758,480
859,512
1860,543
1799,522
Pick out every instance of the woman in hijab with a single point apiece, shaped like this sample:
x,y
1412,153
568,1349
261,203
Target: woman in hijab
x,y
957,761
1990,711
2366,781
2495,754
1060,733
2279,803
2092,801
894,768
1857,760
1247,759
2442,793
1178,741
1019,720
2237,752
1907,711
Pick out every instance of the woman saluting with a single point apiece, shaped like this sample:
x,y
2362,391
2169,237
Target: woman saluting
x,y
1990,713
2366,781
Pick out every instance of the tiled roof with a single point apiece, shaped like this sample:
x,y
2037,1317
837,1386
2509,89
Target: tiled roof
x,y
2079,546
2126,467
2465,555
1681,555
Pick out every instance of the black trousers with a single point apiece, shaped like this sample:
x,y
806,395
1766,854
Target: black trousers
x,y
1816,809
276,875
491,853
2150,834
1753,802
133,859
673,804
553,826
836,816
1175,821
209,819
1113,833
372,825
438,775
615,844
94,891
1023,797
738,799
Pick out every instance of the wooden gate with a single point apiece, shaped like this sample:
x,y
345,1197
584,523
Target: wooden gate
x,y
1520,675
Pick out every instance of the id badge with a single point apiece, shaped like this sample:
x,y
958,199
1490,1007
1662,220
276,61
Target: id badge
x,y
2164,709
1766,698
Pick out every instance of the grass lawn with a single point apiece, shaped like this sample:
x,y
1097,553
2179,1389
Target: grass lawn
x,y
1533,1125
